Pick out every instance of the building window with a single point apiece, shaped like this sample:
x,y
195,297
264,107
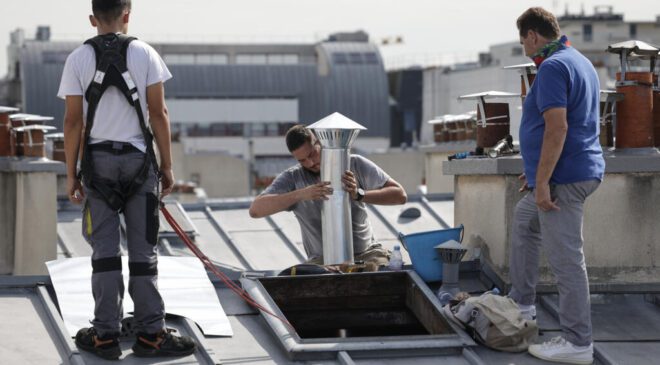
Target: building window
x,y
257,129
211,59
633,30
355,58
284,127
370,58
340,58
269,129
587,32
270,59
195,59
198,129
175,131
209,129
218,130
282,59
224,129
179,59
251,59
272,129
516,51
234,129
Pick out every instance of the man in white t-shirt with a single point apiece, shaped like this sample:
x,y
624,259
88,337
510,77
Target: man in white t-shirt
x,y
118,150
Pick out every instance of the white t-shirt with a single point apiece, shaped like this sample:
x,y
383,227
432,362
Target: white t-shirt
x,y
115,118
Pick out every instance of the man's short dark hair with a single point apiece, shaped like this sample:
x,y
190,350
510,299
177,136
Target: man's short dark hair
x,y
297,136
539,20
108,11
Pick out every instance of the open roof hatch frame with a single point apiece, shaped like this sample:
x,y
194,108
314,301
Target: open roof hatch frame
x,y
298,348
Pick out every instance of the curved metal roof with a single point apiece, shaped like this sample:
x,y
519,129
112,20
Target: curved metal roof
x,y
347,77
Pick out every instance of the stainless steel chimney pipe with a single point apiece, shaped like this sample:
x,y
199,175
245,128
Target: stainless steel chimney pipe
x,y
336,134
451,253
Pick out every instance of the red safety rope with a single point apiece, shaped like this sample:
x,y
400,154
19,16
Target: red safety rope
x,y
209,265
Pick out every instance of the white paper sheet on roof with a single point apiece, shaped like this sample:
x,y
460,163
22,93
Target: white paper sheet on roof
x,y
182,282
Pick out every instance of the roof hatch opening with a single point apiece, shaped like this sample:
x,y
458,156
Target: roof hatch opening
x,y
327,306
358,312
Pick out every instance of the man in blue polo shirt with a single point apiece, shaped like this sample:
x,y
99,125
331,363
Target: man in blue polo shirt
x,y
563,165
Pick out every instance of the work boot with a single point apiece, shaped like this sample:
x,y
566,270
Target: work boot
x,y
163,343
106,347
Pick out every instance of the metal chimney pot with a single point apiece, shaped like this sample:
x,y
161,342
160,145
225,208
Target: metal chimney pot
x,y
336,134
451,253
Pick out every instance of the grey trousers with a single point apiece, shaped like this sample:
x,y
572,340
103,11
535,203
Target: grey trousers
x,y
560,235
101,228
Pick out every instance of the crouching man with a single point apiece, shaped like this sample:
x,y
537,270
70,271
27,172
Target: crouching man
x,y
300,190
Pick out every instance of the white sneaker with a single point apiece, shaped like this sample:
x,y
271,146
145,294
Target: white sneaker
x,y
528,312
560,350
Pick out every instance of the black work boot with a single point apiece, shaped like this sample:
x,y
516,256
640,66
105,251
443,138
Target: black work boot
x,y
106,347
163,343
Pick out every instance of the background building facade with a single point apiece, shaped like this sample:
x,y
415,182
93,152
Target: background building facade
x,y
233,99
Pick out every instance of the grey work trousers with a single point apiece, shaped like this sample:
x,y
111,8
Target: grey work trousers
x,y
101,228
560,235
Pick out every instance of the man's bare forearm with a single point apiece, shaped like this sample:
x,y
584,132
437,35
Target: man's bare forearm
x,y
160,126
268,204
73,127
389,195
265,205
160,123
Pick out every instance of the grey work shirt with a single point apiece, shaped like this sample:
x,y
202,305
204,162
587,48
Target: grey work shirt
x,y
308,212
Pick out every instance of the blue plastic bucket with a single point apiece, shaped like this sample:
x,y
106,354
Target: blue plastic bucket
x,y
420,246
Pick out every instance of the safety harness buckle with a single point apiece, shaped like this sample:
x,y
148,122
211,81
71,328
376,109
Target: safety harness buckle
x,y
99,76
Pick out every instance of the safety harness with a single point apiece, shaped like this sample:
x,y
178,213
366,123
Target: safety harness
x,y
111,70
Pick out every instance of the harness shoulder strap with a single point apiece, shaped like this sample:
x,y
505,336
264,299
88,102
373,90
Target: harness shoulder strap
x,y
111,67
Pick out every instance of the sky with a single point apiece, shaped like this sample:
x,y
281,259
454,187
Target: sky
x,y
432,30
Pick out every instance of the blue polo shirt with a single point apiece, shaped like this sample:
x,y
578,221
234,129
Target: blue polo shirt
x,y
568,80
